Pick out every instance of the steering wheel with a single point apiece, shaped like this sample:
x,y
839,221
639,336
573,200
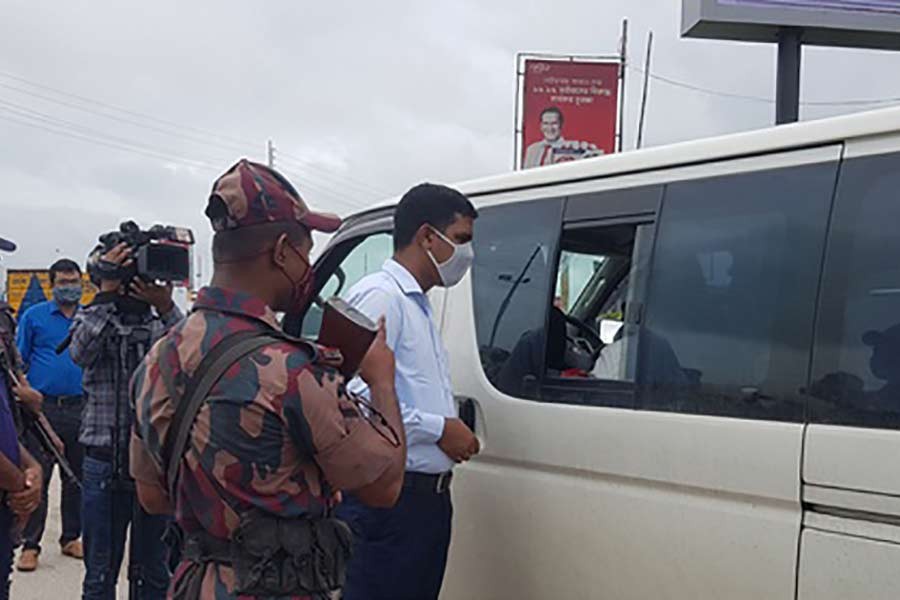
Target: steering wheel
x,y
342,279
588,340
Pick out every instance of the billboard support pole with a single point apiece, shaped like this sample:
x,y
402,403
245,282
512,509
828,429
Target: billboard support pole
x,y
640,135
623,65
517,124
787,90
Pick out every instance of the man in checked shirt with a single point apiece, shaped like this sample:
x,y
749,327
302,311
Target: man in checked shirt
x,y
109,339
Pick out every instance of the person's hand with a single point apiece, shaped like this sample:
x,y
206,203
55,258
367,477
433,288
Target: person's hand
x,y
28,396
23,503
119,255
377,366
458,442
158,296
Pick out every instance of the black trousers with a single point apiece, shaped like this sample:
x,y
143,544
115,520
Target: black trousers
x,y
399,553
66,420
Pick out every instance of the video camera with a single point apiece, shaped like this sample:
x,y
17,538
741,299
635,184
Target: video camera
x,y
160,253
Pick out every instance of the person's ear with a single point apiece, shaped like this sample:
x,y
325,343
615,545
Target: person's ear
x,y
280,250
425,236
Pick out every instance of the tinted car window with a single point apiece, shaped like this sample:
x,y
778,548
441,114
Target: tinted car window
x,y
515,251
732,293
856,379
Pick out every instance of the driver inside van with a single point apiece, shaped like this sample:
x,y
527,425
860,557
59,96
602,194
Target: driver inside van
x,y
567,358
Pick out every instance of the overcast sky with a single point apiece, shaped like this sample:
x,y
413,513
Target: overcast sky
x,y
366,98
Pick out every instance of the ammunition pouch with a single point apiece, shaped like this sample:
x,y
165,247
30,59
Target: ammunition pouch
x,y
275,557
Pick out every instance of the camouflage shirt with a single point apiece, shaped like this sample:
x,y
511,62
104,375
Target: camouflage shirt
x,y
250,445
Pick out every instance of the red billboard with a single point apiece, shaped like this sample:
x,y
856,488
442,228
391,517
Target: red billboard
x,y
569,110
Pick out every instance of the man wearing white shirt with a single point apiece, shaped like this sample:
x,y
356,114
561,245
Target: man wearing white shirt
x,y
554,148
401,553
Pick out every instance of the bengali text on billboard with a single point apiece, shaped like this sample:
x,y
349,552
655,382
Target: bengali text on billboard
x,y
569,110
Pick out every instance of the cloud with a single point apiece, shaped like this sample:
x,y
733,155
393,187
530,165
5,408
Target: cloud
x,y
361,99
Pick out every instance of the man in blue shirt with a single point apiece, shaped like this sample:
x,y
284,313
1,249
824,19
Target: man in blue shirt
x,y
41,329
401,553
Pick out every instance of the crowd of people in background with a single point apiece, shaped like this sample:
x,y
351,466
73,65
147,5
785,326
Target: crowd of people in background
x,y
240,463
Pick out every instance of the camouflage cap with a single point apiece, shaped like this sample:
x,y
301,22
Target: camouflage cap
x,y
6,245
251,194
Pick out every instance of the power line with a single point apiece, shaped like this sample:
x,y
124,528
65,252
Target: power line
x,y
302,182
344,178
69,124
124,110
152,154
347,202
333,180
223,142
58,127
28,113
122,119
762,99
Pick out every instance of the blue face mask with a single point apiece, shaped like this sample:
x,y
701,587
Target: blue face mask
x,y
67,294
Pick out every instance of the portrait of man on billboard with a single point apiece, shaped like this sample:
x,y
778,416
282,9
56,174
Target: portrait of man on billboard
x,y
554,148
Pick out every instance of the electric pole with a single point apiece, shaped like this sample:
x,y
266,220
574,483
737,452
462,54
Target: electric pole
x,y
623,67
270,154
640,135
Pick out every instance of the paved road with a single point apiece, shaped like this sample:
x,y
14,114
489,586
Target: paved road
x,y
57,576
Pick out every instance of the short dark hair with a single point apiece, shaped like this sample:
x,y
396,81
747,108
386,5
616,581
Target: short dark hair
x,y
432,204
245,243
553,110
63,265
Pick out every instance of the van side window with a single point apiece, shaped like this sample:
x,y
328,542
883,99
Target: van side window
x,y
515,246
728,324
364,255
856,375
592,337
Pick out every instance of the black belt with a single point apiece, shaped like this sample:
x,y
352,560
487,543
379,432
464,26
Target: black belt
x,y
63,400
437,483
99,453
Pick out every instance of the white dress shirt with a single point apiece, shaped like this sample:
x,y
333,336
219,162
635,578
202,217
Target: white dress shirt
x,y
423,375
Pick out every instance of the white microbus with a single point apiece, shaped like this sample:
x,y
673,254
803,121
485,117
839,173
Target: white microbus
x,y
683,364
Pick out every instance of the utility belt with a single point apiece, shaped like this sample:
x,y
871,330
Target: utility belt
x,y
277,557
64,401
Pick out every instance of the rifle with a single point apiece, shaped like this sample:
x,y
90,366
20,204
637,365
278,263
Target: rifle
x,y
38,428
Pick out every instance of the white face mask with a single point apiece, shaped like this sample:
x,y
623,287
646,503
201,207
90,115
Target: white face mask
x,y
452,270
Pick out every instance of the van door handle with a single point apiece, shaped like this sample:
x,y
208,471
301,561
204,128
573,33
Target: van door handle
x,y
466,411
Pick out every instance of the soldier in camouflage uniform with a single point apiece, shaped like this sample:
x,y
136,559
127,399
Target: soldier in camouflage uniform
x,y
278,435
21,477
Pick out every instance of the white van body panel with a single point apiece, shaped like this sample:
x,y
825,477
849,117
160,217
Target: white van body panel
x,y
593,502
604,503
840,567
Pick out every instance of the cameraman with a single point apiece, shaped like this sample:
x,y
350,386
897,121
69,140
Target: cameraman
x,y
107,505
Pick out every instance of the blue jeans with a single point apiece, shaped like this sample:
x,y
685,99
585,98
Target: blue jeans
x,y
6,550
106,514
399,553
